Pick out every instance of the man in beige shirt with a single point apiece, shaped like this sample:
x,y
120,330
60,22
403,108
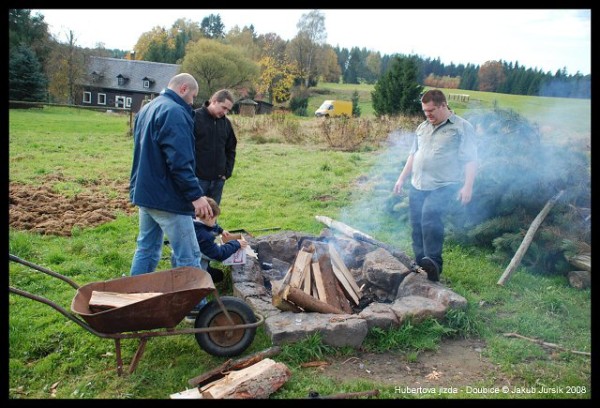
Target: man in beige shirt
x,y
442,164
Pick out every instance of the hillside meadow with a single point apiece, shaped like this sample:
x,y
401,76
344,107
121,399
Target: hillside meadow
x,y
286,173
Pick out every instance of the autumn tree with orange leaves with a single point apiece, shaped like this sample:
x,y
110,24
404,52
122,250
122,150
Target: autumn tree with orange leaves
x,y
491,76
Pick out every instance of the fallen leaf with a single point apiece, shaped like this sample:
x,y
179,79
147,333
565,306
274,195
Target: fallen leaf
x,y
434,375
53,388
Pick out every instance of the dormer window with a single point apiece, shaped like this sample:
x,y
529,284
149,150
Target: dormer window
x,y
122,80
148,82
97,76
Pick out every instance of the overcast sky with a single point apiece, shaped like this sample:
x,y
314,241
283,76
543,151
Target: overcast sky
x,y
546,39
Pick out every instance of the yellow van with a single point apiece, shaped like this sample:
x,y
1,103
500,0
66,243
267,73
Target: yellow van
x,y
333,108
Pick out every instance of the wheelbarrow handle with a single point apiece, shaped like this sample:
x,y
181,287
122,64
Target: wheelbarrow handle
x,y
56,307
42,269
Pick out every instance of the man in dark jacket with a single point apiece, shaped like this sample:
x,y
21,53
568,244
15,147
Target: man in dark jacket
x,y
163,184
215,144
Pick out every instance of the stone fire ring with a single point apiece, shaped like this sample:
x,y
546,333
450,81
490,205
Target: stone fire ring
x,y
398,294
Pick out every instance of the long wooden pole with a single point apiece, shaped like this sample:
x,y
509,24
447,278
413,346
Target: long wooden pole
x,y
516,260
361,236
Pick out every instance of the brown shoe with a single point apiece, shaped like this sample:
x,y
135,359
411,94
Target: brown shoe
x,y
432,269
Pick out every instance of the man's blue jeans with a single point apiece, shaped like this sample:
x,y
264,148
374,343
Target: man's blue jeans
x,y
427,212
153,225
213,188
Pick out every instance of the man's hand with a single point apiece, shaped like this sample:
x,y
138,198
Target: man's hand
x,y
398,186
202,208
465,194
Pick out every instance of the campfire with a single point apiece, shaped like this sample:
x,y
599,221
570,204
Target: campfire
x,y
317,281
338,284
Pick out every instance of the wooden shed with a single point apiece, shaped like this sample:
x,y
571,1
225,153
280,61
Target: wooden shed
x,y
263,107
247,107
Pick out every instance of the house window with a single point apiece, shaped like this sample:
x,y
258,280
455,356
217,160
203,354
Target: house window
x,y
146,84
121,81
87,97
101,99
128,102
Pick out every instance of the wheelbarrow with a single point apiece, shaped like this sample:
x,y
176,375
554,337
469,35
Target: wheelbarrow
x,y
224,327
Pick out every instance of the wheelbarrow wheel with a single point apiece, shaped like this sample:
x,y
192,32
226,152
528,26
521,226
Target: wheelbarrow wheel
x,y
225,343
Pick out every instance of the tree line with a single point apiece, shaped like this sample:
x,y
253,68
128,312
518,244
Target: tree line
x,y
43,68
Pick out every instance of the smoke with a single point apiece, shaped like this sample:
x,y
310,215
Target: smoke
x,y
375,209
518,173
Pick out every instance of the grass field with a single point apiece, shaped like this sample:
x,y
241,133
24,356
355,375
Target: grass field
x,y
560,119
280,185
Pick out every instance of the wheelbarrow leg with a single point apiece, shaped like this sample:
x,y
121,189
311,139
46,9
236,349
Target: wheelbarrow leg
x,y
119,360
138,354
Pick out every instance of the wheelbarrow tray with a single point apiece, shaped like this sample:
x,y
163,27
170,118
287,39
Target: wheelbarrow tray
x,y
181,289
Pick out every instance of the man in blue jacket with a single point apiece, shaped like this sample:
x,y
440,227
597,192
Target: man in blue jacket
x,y
215,144
163,184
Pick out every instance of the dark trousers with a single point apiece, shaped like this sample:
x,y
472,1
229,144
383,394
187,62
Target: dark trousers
x,y
427,212
213,188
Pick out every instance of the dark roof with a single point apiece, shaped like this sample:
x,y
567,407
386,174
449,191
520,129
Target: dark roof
x,y
247,101
105,73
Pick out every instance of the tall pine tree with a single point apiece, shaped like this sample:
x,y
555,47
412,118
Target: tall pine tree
x,y
26,80
398,91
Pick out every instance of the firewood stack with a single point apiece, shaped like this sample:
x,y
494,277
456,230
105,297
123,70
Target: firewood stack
x,y
317,281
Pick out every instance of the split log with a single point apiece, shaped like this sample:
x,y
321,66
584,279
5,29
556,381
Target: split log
x,y
299,267
361,236
516,260
277,288
339,265
100,300
308,283
307,302
342,298
220,371
318,279
254,382
330,283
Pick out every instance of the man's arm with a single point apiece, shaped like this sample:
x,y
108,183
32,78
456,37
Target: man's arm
x,y
466,192
404,174
230,148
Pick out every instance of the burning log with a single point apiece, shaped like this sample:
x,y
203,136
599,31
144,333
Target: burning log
x,y
319,284
333,293
301,267
277,298
317,281
361,236
308,302
344,276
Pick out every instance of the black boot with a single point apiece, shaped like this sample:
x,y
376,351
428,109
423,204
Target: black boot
x,y
432,269
215,273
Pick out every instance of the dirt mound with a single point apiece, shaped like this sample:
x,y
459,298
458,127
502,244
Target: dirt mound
x,y
40,209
